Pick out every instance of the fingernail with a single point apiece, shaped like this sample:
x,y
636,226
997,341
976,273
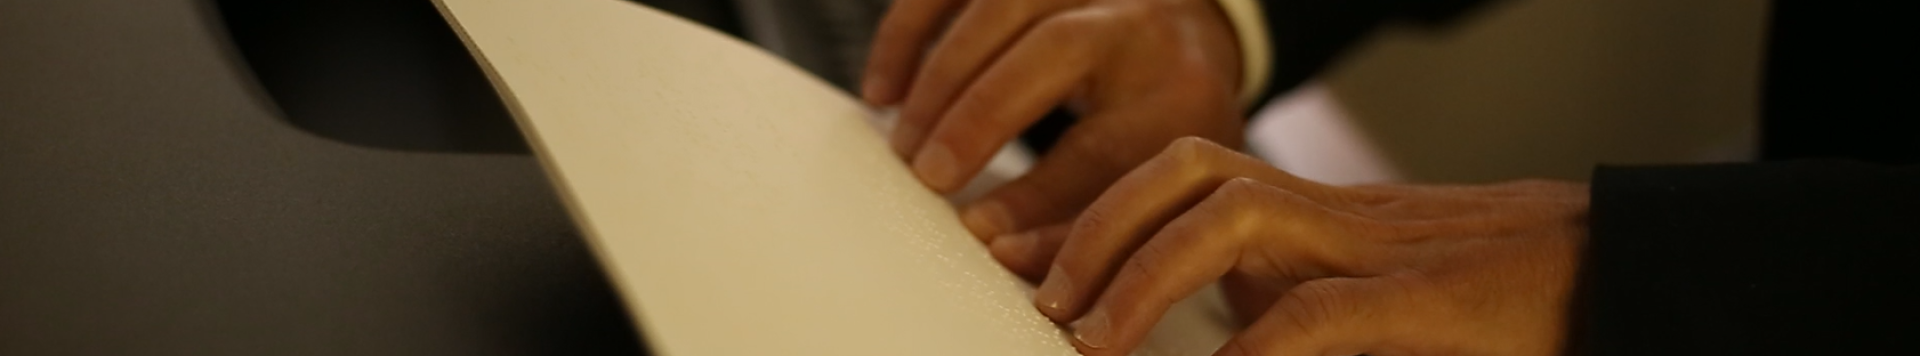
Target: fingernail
x,y
1092,329
935,166
1052,295
986,219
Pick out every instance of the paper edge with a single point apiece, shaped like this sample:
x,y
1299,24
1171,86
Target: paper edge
x,y
556,179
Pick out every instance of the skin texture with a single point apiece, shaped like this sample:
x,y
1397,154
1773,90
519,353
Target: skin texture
x,y
970,75
1314,269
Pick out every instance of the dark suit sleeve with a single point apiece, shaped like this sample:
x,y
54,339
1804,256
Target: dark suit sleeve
x,y
1308,35
1796,258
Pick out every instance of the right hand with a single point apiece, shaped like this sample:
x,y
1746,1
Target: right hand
x,y
1317,269
1140,73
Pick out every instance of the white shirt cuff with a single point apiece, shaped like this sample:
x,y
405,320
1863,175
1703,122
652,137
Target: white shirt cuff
x,y
1256,54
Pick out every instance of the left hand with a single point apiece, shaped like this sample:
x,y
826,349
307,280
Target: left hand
x,y
1318,269
1140,73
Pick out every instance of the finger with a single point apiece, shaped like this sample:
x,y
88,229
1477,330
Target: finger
x,y
1198,248
1032,78
1137,205
984,29
1029,253
1335,316
897,46
1086,160
1090,156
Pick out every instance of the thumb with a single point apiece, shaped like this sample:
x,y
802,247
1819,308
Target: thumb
x,y
1332,316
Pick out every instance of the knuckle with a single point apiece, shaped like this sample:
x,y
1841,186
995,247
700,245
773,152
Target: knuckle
x,y
1234,195
1187,144
1243,187
1252,196
1209,147
1228,212
1187,151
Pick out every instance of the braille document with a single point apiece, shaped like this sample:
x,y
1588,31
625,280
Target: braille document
x,y
743,207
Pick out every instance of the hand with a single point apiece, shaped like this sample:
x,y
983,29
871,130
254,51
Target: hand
x,y
1319,270
1140,72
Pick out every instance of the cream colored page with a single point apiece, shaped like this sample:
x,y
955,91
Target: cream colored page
x,y
743,207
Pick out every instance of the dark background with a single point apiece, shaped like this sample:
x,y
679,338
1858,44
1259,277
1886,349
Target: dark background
x,y
185,177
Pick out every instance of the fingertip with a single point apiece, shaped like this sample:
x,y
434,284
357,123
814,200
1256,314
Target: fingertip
x,y
1052,296
1094,330
987,219
904,136
937,167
